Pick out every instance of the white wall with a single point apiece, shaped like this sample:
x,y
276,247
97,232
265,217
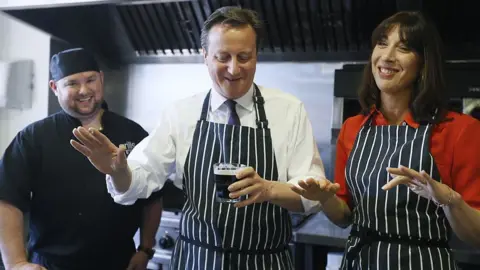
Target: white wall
x,y
152,86
21,41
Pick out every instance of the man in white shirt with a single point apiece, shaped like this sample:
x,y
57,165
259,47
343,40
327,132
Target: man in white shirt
x,y
264,129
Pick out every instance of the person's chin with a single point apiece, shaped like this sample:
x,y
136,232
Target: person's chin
x,y
86,111
388,88
229,91
384,85
236,90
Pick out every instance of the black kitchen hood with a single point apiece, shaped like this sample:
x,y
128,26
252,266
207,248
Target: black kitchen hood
x,y
124,32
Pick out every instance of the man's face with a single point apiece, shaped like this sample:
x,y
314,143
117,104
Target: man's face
x,y
80,94
231,59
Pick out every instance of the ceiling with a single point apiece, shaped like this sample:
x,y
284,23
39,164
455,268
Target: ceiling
x,y
297,30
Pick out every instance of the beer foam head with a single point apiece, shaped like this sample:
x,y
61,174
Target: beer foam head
x,y
226,168
220,171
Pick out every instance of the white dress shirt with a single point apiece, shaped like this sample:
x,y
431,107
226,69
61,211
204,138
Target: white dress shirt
x,y
163,153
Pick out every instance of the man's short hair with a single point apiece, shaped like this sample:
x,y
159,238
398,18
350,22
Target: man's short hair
x,y
234,17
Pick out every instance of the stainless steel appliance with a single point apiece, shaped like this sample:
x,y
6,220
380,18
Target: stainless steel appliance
x,y
471,106
169,229
165,240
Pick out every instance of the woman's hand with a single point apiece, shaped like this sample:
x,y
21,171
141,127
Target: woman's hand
x,y
421,183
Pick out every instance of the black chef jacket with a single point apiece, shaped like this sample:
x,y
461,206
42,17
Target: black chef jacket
x,y
74,222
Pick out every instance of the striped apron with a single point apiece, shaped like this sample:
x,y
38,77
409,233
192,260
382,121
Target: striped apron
x,y
217,235
395,229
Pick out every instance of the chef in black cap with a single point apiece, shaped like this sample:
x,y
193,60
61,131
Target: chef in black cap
x,y
73,222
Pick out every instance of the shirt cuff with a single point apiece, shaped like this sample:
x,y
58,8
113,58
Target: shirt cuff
x,y
309,206
130,196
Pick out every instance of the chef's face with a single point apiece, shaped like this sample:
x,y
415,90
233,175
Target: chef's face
x,y
395,67
80,94
231,59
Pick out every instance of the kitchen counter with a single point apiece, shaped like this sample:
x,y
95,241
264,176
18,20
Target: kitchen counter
x,y
317,236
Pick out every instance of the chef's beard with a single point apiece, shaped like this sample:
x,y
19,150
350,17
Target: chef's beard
x,y
76,112
95,107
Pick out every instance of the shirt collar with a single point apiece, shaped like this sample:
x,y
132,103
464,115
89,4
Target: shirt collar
x,y
246,101
380,120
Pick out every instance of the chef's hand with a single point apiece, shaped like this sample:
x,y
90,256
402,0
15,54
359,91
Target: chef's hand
x,y
26,266
421,183
138,261
101,152
316,189
252,184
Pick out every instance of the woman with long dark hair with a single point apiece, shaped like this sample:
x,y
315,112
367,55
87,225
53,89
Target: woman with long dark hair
x,y
407,169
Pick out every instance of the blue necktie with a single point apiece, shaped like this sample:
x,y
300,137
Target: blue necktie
x,y
233,119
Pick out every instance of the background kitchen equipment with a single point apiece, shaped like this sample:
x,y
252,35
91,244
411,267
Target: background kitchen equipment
x,y
153,31
471,106
16,87
173,200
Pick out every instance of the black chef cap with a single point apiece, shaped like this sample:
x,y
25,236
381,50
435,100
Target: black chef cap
x,y
72,61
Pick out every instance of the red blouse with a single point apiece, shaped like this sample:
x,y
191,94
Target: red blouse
x,y
454,145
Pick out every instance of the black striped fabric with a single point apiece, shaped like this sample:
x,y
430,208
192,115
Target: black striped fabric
x,y
398,211
253,231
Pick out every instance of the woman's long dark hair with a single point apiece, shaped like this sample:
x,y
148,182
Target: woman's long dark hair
x,y
421,36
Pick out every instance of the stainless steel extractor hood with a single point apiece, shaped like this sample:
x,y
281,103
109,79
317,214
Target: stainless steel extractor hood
x,y
32,4
296,30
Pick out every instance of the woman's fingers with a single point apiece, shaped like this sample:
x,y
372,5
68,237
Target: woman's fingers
x,y
413,174
399,180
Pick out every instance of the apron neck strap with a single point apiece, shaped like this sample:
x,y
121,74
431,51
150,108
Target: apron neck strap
x,y
370,119
258,100
206,105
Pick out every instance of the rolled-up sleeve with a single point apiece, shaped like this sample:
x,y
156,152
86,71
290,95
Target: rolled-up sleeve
x,y
304,157
150,162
